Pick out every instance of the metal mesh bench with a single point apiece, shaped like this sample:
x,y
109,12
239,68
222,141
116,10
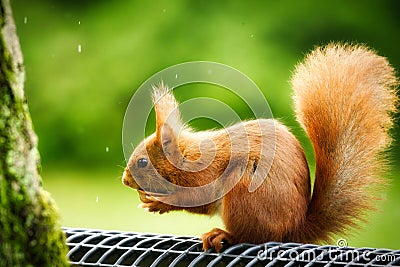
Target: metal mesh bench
x,y
88,247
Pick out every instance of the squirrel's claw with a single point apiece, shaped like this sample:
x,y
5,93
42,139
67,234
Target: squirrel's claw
x,y
143,206
215,239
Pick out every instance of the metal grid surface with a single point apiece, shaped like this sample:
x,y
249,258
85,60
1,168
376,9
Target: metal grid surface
x,y
114,248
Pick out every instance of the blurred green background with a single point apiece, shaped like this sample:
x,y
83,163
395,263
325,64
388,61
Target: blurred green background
x,y
85,59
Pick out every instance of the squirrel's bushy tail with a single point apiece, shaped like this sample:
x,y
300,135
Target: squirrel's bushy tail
x,y
344,96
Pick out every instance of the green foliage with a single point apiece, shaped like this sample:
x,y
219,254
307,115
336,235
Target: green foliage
x,y
78,99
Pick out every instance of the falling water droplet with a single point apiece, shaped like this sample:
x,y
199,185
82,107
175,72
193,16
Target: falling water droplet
x,y
176,76
25,20
79,48
107,149
252,36
97,199
79,22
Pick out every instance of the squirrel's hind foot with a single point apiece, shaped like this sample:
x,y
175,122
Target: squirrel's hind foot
x,y
216,239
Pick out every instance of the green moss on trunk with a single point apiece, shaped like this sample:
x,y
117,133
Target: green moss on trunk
x,y
30,234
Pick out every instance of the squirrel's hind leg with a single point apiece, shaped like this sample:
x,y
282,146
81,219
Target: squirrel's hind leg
x,y
215,239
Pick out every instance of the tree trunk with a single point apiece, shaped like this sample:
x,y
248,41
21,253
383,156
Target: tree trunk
x,y
30,234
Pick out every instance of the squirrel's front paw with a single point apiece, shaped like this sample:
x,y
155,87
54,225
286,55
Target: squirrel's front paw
x,y
153,205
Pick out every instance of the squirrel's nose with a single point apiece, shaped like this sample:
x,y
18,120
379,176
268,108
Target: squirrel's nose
x,y
128,180
125,181
125,176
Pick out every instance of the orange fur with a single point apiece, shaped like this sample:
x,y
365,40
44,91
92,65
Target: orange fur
x,y
343,96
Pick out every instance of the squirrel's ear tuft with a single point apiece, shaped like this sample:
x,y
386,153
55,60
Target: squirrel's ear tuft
x,y
167,110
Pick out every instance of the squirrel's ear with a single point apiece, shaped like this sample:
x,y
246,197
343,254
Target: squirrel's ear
x,y
167,111
169,143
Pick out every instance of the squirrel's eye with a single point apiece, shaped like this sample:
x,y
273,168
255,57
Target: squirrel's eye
x,y
141,163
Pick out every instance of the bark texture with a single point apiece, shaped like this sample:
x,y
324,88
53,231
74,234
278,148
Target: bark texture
x,y
30,234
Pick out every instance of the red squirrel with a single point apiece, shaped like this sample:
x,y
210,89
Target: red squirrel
x,y
344,97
